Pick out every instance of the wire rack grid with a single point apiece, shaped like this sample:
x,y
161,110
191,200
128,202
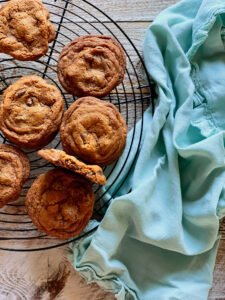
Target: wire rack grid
x,y
72,19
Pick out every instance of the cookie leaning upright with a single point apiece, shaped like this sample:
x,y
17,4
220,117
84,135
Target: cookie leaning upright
x,y
30,112
93,130
93,173
25,29
91,65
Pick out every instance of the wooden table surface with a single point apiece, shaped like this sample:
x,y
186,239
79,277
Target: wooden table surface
x,y
47,275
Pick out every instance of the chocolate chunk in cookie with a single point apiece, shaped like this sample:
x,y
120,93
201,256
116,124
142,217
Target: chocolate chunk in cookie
x,y
60,158
93,130
91,65
25,29
60,203
30,112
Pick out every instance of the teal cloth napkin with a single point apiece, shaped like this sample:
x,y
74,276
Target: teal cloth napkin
x,y
159,237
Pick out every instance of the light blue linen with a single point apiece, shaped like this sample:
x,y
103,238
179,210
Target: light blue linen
x,y
159,240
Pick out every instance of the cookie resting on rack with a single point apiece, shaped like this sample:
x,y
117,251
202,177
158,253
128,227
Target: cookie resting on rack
x,y
14,171
91,65
25,29
22,157
31,112
60,203
94,131
59,158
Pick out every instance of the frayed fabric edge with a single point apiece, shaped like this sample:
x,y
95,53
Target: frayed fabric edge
x,y
107,283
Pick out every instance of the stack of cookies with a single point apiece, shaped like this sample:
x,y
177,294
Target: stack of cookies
x,y
93,132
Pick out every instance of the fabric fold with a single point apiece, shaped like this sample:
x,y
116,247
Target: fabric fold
x,y
159,236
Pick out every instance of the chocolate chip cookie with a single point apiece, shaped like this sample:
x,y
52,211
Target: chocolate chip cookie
x,y
21,156
25,29
60,158
91,65
60,203
30,112
11,177
93,130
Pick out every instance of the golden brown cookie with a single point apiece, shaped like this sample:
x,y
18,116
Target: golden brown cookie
x,y
91,65
60,203
60,158
30,112
11,177
21,155
93,130
25,29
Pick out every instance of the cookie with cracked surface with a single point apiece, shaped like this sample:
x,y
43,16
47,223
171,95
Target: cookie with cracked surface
x,y
31,112
25,29
91,65
11,177
60,203
21,155
94,131
59,158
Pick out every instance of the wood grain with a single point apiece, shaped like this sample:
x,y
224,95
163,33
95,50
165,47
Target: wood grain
x,y
48,275
217,291
44,276
123,10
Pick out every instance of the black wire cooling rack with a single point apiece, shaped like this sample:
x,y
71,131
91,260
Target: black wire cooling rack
x,y
71,19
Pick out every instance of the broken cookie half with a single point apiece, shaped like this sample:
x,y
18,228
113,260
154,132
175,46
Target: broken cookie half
x,y
59,158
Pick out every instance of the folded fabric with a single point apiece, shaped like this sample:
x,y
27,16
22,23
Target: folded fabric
x,y
159,237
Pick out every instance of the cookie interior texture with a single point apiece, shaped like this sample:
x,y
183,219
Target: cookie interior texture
x,y
91,65
60,203
93,173
93,130
25,29
30,112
